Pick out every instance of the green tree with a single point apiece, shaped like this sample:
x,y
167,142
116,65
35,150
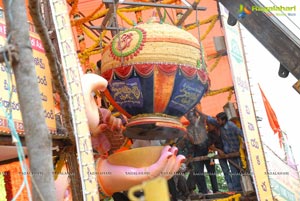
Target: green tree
x,y
220,178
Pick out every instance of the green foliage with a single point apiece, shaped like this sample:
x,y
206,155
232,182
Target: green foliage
x,y
220,178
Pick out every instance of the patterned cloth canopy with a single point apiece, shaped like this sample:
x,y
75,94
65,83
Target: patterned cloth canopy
x,y
155,74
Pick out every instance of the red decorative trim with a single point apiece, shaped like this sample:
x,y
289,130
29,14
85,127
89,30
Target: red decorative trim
x,y
144,70
203,76
189,72
168,68
124,71
107,74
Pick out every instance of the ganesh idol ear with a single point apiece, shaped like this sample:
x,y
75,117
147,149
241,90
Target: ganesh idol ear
x,y
90,83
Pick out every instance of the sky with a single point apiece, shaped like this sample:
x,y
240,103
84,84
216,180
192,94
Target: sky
x,y
284,99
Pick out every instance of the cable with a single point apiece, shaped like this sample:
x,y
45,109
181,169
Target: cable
x,y
8,115
118,30
201,47
20,152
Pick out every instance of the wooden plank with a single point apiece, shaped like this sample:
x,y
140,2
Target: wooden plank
x,y
270,32
203,158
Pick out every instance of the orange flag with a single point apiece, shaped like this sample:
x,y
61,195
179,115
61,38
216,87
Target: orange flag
x,y
272,117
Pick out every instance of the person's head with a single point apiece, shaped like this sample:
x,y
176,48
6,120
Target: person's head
x,y
222,118
191,116
211,123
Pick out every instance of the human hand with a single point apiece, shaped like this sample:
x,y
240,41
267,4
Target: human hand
x,y
221,153
113,178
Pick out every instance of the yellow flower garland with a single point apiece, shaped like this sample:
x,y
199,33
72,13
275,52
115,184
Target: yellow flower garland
x,y
123,17
98,13
214,65
219,91
212,20
235,197
140,8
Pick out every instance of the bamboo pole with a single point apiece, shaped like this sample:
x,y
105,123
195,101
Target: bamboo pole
x,y
38,139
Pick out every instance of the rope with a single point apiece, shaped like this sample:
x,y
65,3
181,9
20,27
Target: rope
x,y
117,25
15,137
203,66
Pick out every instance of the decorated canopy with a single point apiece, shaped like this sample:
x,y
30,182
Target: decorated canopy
x,y
155,75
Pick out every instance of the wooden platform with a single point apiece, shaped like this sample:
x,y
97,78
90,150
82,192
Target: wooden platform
x,y
222,195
